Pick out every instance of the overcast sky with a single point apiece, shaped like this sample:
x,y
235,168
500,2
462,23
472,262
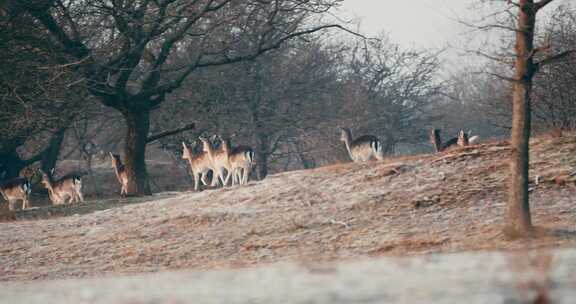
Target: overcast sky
x,y
421,23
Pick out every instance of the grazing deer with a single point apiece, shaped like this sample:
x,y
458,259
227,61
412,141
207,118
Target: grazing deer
x,y
363,148
462,140
121,174
200,163
65,190
473,140
241,159
437,142
14,190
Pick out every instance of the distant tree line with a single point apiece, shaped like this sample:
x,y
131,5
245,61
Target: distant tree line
x,y
80,77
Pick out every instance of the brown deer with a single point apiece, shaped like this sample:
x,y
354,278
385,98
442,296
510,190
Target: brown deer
x,y
221,161
462,140
363,148
65,190
242,159
200,163
14,190
121,174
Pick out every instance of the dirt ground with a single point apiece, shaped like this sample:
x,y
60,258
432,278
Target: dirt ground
x,y
442,203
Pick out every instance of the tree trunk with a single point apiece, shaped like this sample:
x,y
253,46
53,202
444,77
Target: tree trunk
x,y
10,164
263,152
138,126
519,221
51,153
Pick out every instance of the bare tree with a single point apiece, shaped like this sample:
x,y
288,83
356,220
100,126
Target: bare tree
x,y
38,96
389,91
526,66
554,90
124,47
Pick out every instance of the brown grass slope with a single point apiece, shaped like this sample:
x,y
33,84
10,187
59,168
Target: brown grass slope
x,y
447,202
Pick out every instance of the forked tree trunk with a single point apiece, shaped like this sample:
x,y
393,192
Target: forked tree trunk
x,y
138,126
518,214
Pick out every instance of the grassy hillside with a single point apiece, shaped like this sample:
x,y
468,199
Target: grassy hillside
x,y
447,202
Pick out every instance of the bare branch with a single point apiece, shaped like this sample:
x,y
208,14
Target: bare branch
x,y
170,132
555,58
542,4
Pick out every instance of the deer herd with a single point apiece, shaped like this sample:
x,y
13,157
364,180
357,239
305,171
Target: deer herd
x,y
229,165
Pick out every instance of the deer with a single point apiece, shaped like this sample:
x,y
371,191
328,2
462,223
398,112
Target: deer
x,y
221,161
238,161
473,140
363,148
218,159
200,163
14,190
241,159
462,140
65,190
121,174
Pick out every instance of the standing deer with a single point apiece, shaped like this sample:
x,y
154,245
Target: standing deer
x,y
218,159
200,163
238,161
242,159
363,148
221,161
14,190
121,174
463,139
65,190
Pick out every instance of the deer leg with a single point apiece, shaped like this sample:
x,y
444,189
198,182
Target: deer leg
x,y
234,177
245,176
203,179
215,177
225,180
80,196
197,181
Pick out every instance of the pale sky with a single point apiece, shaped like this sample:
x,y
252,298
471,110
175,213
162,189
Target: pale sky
x,y
420,23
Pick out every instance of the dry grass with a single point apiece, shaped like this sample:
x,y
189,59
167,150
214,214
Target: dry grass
x,y
447,202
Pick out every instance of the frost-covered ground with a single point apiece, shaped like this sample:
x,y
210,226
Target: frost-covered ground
x,y
443,203
521,277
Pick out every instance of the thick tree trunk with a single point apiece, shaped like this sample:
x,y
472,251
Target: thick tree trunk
x,y
50,155
138,126
262,166
518,217
262,154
